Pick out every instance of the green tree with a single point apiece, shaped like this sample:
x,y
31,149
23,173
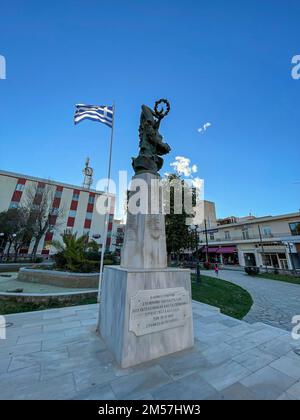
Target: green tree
x,y
178,234
42,217
15,225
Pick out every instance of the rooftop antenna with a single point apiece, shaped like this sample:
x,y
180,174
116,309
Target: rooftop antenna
x,y
88,175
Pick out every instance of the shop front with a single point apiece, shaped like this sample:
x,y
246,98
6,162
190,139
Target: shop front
x,y
224,255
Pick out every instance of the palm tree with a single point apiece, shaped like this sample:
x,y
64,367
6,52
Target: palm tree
x,y
72,251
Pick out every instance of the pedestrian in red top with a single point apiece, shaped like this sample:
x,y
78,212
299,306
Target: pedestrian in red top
x,y
216,270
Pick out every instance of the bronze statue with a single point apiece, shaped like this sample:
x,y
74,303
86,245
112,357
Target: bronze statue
x,y
151,141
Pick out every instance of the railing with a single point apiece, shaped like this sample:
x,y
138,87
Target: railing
x,y
249,236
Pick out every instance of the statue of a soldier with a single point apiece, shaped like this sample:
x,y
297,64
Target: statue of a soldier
x,y
151,141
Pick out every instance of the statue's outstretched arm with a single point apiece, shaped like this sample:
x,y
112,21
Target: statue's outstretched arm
x,y
147,114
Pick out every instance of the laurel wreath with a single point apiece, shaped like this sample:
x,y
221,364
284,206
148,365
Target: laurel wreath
x,y
161,113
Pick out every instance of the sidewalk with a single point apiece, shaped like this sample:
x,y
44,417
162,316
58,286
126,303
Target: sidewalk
x,y
275,302
55,354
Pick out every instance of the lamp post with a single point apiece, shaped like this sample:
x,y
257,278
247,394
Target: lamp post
x,y
206,240
1,246
197,230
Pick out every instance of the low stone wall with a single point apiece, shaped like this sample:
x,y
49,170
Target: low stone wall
x,y
13,267
48,298
59,278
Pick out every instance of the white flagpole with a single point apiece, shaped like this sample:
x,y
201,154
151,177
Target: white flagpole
x,y
106,219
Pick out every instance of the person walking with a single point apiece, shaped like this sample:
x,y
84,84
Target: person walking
x,y
216,270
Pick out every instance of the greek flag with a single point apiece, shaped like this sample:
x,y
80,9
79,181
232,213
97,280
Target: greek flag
x,y
103,114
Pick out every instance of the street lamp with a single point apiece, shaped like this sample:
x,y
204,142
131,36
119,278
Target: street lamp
x,y
196,229
2,242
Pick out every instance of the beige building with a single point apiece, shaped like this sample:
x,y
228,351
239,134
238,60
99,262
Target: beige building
x,y
271,241
205,210
76,206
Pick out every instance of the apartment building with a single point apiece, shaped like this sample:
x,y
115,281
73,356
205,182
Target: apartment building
x,y
76,205
271,241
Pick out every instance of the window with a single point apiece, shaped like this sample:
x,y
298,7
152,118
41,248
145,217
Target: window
x,y
295,228
20,187
91,199
72,213
58,194
227,234
266,259
267,231
270,260
89,216
75,197
245,233
40,190
54,211
14,205
211,236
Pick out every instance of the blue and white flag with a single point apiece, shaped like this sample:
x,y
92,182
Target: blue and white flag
x,y
103,114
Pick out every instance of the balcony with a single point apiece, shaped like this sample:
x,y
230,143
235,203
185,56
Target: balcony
x,y
249,237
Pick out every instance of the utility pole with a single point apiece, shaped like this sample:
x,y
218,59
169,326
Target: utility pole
x,y
206,238
196,230
198,275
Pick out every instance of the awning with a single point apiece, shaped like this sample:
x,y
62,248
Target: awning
x,y
221,250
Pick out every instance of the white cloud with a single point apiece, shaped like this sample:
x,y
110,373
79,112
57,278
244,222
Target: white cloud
x,y
204,127
182,166
197,183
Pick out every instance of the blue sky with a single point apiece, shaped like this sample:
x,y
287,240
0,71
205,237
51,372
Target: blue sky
x,y
227,63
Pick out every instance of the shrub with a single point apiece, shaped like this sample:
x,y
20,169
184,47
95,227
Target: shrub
x,y
252,271
88,266
112,256
108,262
92,255
60,260
207,265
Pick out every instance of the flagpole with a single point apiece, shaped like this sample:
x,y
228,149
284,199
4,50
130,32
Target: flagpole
x,y
107,213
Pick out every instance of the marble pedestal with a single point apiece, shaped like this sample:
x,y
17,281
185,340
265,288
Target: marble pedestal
x,y
145,236
145,308
145,314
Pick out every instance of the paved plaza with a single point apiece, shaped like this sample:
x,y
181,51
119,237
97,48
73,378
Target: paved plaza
x,y
274,302
56,354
